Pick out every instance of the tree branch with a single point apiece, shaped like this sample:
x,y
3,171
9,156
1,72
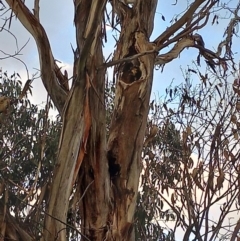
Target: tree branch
x,y
127,59
90,31
235,232
183,20
47,63
175,51
36,9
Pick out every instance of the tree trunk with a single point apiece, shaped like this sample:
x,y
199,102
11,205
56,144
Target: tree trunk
x,y
131,106
107,201
108,214
104,173
83,136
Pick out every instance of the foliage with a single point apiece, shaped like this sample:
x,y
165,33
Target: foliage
x,y
167,156
185,155
204,159
28,140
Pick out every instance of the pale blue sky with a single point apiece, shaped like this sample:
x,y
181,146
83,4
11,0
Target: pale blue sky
x,y
57,18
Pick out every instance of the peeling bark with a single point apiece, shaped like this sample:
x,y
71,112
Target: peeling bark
x,y
129,119
83,135
125,140
105,171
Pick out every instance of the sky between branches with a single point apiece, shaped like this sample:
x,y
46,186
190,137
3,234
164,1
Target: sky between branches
x,y
57,18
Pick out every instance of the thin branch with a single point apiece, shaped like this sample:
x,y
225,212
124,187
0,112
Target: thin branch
x,y
3,28
36,9
176,26
86,190
128,59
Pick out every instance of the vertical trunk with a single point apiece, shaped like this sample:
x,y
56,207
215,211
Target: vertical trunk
x,y
83,135
93,176
107,174
125,145
129,119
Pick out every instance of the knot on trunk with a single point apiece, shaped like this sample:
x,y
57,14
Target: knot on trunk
x,y
130,73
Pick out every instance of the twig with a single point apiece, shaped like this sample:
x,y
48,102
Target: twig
x,y
119,61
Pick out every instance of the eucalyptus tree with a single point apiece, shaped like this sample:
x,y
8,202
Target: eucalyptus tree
x,y
103,168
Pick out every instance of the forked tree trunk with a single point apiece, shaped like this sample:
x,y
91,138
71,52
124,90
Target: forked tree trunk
x,y
108,214
107,201
105,172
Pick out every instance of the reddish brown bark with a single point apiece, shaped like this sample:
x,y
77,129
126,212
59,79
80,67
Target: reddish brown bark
x,y
105,172
130,113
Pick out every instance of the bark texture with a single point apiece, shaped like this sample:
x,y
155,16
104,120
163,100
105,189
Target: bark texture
x,y
104,173
134,83
83,134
